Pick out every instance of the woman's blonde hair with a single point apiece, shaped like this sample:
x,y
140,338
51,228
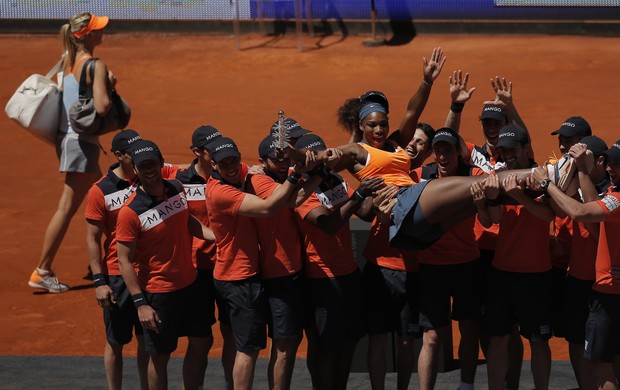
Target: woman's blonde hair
x,y
70,44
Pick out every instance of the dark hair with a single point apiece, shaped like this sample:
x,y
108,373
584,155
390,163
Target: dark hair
x,y
348,116
427,129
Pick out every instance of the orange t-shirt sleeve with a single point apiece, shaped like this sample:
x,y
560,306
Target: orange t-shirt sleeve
x,y
310,204
263,185
416,175
128,225
227,199
95,204
169,171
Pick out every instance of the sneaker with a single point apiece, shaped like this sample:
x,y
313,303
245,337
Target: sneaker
x,y
48,282
562,171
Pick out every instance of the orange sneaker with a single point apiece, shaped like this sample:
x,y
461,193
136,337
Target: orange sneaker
x,y
47,282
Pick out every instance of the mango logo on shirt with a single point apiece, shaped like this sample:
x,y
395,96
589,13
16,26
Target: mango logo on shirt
x,y
195,191
115,200
334,196
166,209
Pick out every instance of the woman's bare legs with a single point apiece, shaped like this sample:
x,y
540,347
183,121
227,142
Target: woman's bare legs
x,y
75,189
448,201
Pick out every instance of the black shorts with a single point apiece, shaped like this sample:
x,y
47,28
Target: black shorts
x,y
439,283
558,314
392,300
603,328
285,310
577,296
121,319
182,313
207,288
247,307
338,310
523,298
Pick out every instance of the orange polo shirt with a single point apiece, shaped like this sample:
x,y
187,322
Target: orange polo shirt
x,y
163,243
235,236
608,251
379,251
327,255
278,236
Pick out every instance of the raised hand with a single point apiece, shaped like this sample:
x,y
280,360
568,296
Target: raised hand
x,y
458,87
432,68
333,157
503,92
540,174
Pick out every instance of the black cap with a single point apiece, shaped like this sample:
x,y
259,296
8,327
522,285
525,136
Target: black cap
x,y
143,150
267,147
613,153
310,141
123,140
204,135
446,134
294,129
223,147
491,111
510,136
594,144
375,97
574,126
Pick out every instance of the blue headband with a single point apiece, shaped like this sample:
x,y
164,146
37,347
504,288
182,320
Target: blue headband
x,y
369,109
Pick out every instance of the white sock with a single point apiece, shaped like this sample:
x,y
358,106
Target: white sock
x,y
42,272
466,386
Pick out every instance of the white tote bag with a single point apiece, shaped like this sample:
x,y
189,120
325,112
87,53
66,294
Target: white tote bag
x,y
36,105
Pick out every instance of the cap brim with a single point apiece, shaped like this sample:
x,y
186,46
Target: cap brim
x,y
448,140
224,154
564,132
492,115
612,154
100,22
145,157
297,133
510,144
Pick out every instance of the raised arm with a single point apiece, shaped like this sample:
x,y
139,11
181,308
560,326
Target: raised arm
x,y
504,98
431,70
459,95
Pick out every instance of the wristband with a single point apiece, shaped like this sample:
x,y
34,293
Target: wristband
x,y
492,202
99,280
294,178
358,196
457,107
139,300
426,83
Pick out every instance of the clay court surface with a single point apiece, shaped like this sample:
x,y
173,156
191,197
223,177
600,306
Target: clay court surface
x,y
175,83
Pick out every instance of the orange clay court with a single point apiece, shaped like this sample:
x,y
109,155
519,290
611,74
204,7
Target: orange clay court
x,y
174,83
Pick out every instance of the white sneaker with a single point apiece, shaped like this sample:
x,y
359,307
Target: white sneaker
x,y
562,172
48,282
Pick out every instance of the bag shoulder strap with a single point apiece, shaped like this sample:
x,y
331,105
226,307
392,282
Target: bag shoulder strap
x,y
85,92
56,68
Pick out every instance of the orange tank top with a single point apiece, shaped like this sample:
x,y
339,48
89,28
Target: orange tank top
x,y
393,167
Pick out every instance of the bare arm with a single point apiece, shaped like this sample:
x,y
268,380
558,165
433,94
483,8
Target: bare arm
x,y
94,233
459,95
580,212
504,98
515,191
147,315
198,230
431,70
101,95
